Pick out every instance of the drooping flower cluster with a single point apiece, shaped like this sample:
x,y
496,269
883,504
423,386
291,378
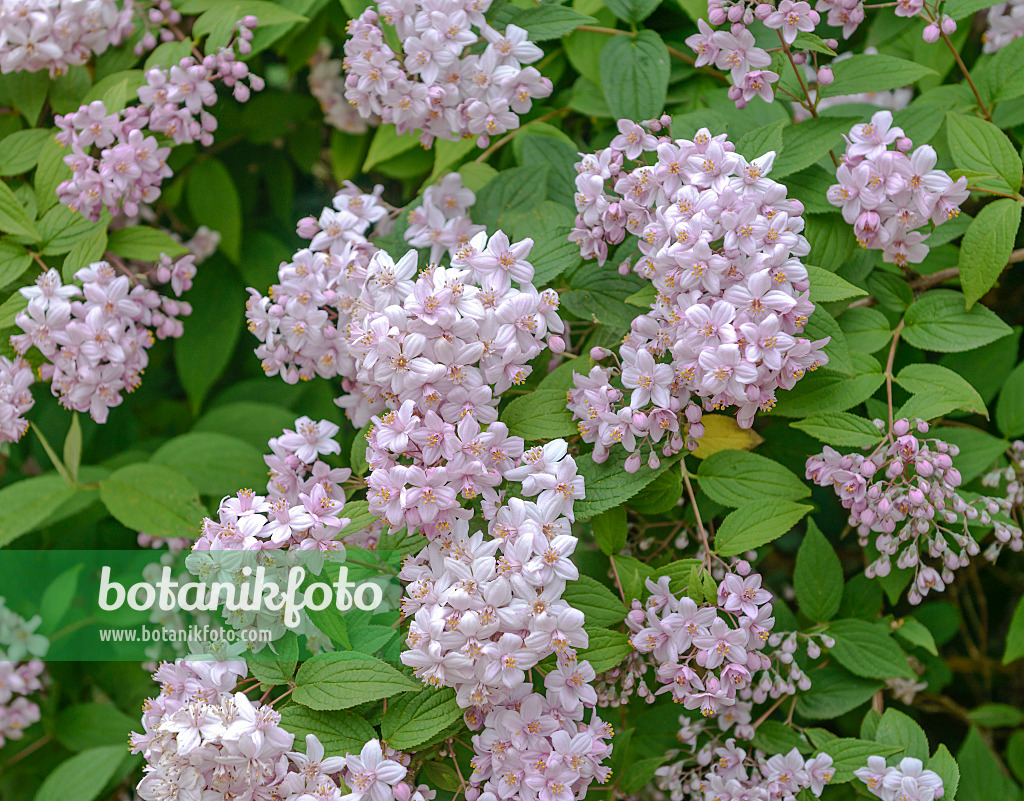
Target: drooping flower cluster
x,y
21,672
1005,23
203,738
721,243
327,85
886,194
1012,497
56,34
735,775
450,339
910,781
486,609
904,492
131,165
437,85
96,346
441,222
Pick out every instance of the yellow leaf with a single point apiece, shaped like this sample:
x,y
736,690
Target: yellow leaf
x,y
722,433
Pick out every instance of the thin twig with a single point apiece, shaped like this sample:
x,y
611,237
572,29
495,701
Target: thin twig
x,y
888,371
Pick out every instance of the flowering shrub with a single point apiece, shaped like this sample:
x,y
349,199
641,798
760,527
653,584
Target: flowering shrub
x,y
655,365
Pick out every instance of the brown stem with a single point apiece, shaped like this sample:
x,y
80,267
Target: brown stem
x,y
24,752
967,75
995,192
888,371
811,106
696,512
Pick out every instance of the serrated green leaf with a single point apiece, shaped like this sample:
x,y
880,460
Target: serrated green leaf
x,y
817,576
734,478
977,144
153,499
344,679
634,75
872,73
986,247
539,415
755,524
868,650
413,718
939,321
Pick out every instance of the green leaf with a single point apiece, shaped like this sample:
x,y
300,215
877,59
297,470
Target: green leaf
x,y
607,648
840,428
873,73
215,464
144,243
986,247
345,679
82,777
809,41
810,141
834,692
1010,406
61,229
57,598
610,530
27,92
213,201
414,718
386,145
250,421
13,217
939,321
827,286
539,415
276,666
774,737
825,391
759,141
599,604
19,152
868,650
849,753
818,576
608,484
1014,636
634,75
755,524
996,716
510,192
939,387
978,145
632,11
550,21
73,448
14,260
116,90
915,633
86,251
981,776
959,9
85,726
867,330
153,499
340,732
220,20
942,762
26,504
50,172
218,315
734,478
897,729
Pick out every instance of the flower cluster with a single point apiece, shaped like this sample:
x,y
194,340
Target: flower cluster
x,y
202,737
487,609
131,164
21,672
15,397
1013,498
450,339
721,243
737,776
56,34
95,347
706,655
905,493
327,85
437,86
910,781
886,194
1005,23
441,222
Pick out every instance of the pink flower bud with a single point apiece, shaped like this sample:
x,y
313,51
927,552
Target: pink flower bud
x,y
402,792
633,462
832,43
825,76
596,353
948,25
717,16
931,33
799,58
763,10
901,427
556,344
